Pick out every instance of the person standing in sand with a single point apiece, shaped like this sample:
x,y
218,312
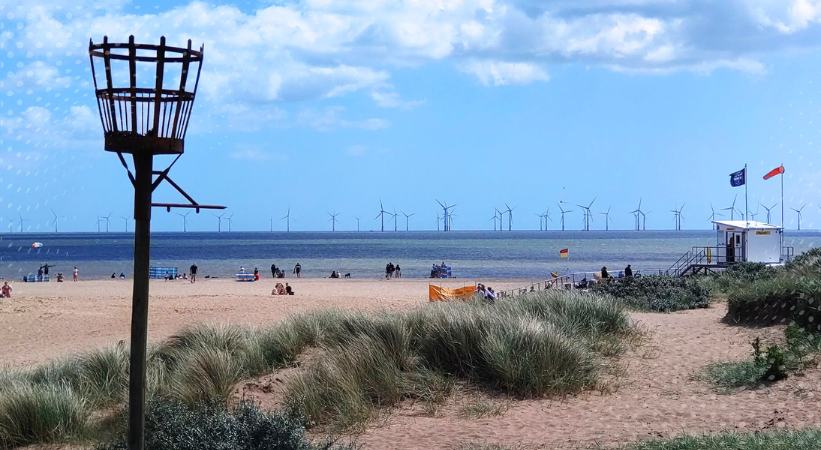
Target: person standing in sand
x,y
297,270
6,290
273,270
193,270
75,274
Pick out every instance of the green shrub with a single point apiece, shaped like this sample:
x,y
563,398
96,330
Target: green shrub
x,y
40,413
766,366
788,295
657,293
178,426
809,439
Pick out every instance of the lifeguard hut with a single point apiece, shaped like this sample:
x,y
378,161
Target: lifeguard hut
x,y
736,241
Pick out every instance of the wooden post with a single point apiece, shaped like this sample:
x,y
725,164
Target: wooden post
x,y
143,165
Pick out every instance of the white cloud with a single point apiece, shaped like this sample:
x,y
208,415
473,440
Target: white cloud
x,y
254,154
320,49
36,74
500,73
331,118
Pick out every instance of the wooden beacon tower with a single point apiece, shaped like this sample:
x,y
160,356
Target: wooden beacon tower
x,y
144,120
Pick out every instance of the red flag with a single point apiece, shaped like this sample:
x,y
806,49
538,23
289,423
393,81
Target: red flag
x,y
564,253
777,171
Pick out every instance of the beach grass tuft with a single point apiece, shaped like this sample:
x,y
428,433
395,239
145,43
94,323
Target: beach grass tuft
x,y
808,439
42,413
535,345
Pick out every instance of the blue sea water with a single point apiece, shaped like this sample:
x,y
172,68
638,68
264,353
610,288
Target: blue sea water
x,y
472,254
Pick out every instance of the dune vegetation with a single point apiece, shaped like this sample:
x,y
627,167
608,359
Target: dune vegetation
x,y
535,345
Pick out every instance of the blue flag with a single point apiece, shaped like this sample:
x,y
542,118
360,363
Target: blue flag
x,y
738,178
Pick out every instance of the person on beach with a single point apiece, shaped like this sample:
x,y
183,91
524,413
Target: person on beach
x,y
387,271
273,270
397,271
193,271
6,290
297,271
256,274
288,289
604,274
628,271
59,277
75,274
279,289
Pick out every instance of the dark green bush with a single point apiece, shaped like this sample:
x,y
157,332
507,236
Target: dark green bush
x,y
657,293
177,426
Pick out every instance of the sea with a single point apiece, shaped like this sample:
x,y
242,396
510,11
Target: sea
x,y
526,255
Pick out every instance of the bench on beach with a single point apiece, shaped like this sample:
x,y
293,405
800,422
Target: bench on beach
x,y
244,276
32,278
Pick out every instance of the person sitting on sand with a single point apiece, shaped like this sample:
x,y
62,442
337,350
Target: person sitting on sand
x,y
604,274
279,289
334,274
5,291
288,289
256,274
59,277
122,276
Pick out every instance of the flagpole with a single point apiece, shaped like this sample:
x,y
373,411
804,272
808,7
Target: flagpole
x,y
782,198
746,182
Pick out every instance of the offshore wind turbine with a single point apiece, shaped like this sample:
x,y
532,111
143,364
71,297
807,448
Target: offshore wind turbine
x,y
125,222
606,215
494,218
500,219
107,221
677,216
731,208
509,212
219,221
564,211
798,213
640,217
287,219
333,220
447,221
395,228
54,220
407,219
357,224
228,218
546,216
587,216
768,210
381,215
21,222
184,221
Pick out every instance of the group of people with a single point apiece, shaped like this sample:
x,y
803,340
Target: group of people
x,y
486,292
279,289
626,273
392,271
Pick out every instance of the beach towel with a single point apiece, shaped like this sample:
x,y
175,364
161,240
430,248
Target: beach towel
x,y
439,293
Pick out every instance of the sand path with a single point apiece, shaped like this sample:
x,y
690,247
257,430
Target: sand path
x,y
657,398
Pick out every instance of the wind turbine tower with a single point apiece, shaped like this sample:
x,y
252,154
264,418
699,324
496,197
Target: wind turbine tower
x,y
798,214
509,212
381,215
333,220
606,215
184,221
564,211
407,220
287,219
587,216
768,210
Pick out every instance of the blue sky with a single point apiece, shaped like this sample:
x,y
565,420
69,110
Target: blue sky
x,y
323,106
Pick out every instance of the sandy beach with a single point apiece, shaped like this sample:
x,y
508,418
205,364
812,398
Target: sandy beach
x,y
49,320
656,395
